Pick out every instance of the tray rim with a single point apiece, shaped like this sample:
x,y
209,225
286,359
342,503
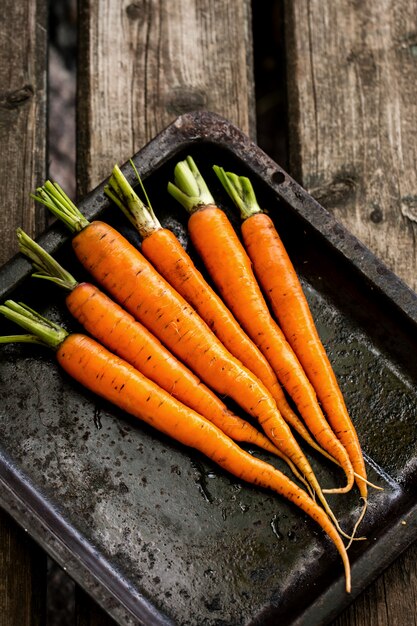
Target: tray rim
x,y
21,500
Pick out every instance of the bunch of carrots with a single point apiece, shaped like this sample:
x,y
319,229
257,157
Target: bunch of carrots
x,y
165,347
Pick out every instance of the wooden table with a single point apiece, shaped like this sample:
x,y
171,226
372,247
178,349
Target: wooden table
x,y
351,130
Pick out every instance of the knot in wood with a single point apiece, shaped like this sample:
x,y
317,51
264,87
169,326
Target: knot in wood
x,y
376,216
134,10
341,190
16,98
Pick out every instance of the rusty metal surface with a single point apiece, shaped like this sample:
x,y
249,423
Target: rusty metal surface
x,y
152,530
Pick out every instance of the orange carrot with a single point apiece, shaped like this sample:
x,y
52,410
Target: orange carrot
x,y
118,331
230,268
277,276
116,381
132,281
162,248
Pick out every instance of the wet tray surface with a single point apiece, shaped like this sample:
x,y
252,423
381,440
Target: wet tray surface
x,y
155,532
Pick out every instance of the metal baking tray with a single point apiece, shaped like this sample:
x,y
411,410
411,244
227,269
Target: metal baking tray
x,y
155,532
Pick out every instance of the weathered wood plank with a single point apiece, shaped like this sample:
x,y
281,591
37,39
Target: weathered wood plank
x,y
352,71
22,165
144,63
22,116
22,577
88,613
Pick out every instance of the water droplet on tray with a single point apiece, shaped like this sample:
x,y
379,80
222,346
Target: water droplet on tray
x,y
275,529
97,418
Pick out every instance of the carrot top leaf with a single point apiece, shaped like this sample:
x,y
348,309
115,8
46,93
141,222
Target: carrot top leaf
x,y
240,191
56,200
190,188
124,196
44,331
45,265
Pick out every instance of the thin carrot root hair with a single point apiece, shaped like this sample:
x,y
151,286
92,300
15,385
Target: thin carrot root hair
x,y
337,490
345,534
358,521
365,480
296,472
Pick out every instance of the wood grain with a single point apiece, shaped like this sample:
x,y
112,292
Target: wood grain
x,y
22,577
23,99
22,166
146,62
353,108
390,600
88,613
352,71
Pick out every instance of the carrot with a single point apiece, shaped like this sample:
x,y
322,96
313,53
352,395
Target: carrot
x,y
117,330
230,268
132,281
162,248
116,381
278,278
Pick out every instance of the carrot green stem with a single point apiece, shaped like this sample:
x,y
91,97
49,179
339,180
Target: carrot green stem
x,y
123,195
46,332
46,266
142,186
56,200
190,188
21,339
240,191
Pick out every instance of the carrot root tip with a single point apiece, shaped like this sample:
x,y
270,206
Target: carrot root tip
x,y
359,520
338,489
367,482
